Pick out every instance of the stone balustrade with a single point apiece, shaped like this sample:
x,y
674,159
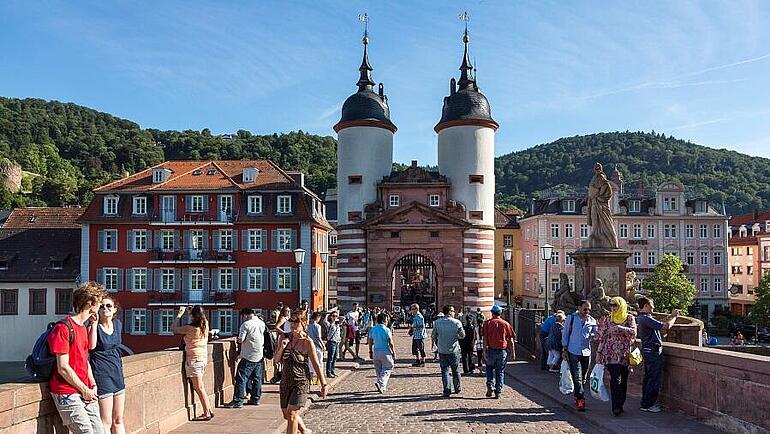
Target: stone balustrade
x,y
726,389
157,397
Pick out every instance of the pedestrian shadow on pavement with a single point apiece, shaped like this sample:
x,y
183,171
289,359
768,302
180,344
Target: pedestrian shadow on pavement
x,y
358,398
488,415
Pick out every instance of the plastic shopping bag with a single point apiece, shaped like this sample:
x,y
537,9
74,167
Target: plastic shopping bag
x,y
598,389
566,386
553,357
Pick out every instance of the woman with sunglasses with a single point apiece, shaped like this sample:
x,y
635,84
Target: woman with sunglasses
x,y
617,331
104,355
294,353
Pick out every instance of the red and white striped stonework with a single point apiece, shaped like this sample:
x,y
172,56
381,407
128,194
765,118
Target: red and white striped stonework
x,y
479,268
351,267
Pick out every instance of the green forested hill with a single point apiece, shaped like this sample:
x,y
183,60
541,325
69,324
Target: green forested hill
x,y
75,149
741,181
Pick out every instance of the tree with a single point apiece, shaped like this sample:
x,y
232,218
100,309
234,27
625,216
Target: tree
x,y
760,312
668,286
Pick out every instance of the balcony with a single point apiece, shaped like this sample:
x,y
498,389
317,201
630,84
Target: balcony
x,y
191,256
190,297
170,217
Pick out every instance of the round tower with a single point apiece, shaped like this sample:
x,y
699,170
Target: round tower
x,y
364,146
466,145
466,155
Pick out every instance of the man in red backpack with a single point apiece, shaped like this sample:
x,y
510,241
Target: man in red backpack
x,y
72,385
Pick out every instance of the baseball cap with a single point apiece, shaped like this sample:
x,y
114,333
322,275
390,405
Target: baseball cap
x,y
496,309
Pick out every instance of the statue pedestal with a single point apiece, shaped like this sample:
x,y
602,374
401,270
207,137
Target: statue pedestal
x,y
609,265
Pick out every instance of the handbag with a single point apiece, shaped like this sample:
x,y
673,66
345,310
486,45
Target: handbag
x,y
635,357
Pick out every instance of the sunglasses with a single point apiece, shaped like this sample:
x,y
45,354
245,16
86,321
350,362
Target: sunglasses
x,y
107,305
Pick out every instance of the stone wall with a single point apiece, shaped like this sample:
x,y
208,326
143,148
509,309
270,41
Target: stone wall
x,y
10,176
158,399
726,389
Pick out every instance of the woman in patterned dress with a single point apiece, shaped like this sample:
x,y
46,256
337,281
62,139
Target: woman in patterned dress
x,y
617,331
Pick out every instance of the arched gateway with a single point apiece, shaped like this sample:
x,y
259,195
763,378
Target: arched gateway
x,y
415,280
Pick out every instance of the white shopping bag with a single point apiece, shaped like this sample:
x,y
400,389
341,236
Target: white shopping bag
x,y
598,389
553,357
566,386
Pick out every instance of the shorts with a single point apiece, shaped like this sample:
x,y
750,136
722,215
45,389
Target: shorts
x,y
77,415
109,394
294,397
194,368
418,347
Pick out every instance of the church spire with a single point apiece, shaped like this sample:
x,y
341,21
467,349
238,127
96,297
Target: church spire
x,y
466,69
365,82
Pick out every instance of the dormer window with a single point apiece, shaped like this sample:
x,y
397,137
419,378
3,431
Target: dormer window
x,y
140,205
110,205
284,204
568,205
669,204
160,175
250,174
3,265
634,205
56,265
767,226
434,200
700,206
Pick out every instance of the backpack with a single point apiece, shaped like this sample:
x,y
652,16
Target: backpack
x,y
41,364
268,349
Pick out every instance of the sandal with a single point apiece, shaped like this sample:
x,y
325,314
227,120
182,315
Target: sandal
x,y
204,418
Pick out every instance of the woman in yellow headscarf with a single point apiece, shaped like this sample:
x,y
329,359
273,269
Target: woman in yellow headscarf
x,y
617,332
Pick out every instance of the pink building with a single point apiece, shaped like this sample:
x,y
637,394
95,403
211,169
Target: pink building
x,y
649,224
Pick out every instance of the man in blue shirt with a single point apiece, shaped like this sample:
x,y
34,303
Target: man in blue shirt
x,y
417,330
381,352
648,330
576,339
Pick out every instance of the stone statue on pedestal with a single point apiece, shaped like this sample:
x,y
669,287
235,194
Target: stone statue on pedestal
x,y
565,298
599,299
603,233
632,288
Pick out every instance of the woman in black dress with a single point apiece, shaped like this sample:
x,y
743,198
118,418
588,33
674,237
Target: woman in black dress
x,y
107,367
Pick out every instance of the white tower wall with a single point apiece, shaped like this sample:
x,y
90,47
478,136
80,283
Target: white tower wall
x,y
470,150
364,151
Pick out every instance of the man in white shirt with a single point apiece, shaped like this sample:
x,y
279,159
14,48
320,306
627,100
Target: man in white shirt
x,y
353,317
251,368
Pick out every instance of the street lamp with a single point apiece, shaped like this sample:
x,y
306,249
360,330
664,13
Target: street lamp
x,y
546,251
507,256
299,258
324,258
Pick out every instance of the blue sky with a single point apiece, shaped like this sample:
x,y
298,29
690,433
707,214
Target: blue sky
x,y
696,70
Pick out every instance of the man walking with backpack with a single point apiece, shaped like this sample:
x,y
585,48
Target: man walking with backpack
x,y
72,384
251,368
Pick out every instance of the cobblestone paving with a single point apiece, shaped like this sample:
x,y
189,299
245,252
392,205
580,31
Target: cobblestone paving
x,y
413,404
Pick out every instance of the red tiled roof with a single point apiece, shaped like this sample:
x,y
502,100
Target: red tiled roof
x,y
750,218
43,218
204,175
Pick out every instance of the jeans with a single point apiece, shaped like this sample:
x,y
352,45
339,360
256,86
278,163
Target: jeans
x,y
653,370
578,366
332,349
383,365
618,384
466,353
543,351
248,376
447,362
79,416
496,368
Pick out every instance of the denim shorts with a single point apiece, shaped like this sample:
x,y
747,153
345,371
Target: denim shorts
x,y
107,395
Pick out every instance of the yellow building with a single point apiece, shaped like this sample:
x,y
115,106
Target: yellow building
x,y
508,236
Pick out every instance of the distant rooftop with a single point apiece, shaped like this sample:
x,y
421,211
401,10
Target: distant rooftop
x,y
44,218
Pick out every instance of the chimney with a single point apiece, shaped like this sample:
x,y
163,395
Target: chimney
x,y
414,163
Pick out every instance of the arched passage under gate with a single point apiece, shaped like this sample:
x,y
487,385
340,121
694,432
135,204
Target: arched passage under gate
x,y
415,279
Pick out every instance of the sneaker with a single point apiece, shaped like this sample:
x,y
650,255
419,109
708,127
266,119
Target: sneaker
x,y
655,408
489,393
553,370
332,375
250,402
234,404
416,364
377,386
581,405
446,394
497,395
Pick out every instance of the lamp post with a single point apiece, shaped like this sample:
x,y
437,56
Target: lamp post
x,y
507,257
324,258
546,251
299,258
